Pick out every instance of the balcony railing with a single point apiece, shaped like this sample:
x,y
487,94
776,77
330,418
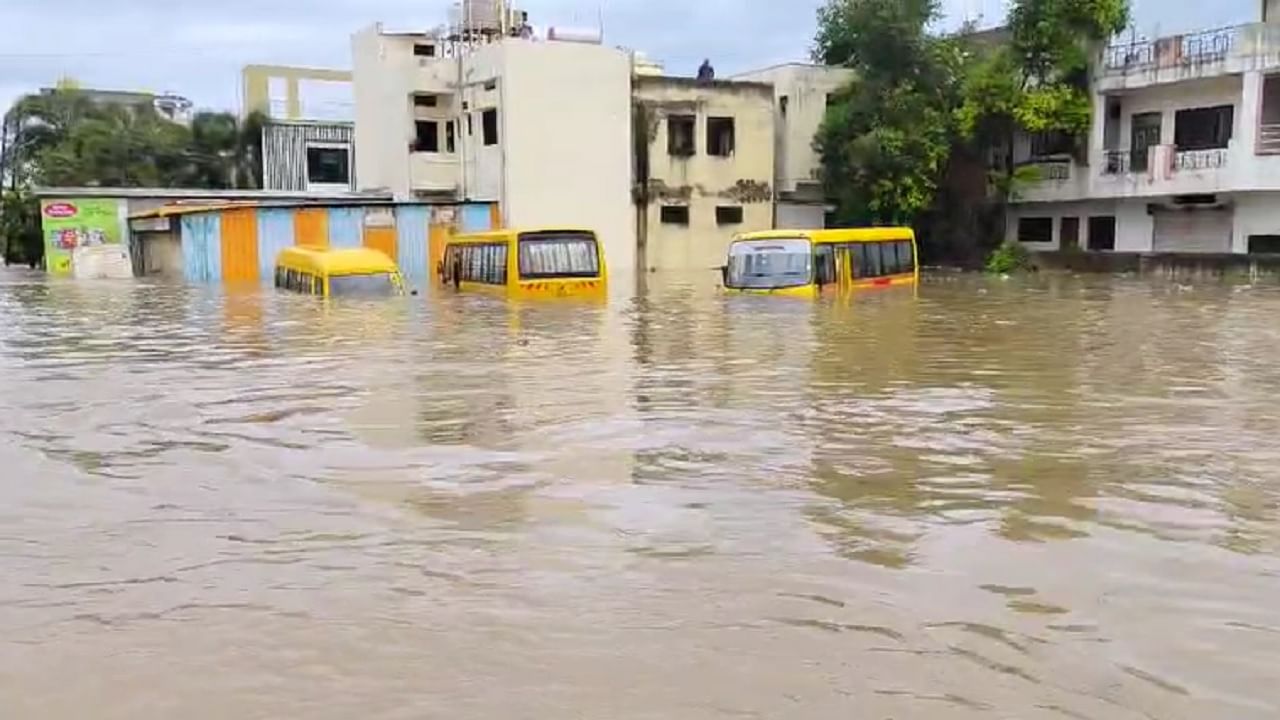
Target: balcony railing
x,y
1269,140
1126,162
1120,162
1192,160
1178,50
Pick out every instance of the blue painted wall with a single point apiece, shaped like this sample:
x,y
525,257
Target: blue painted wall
x,y
475,218
412,223
202,247
275,233
346,227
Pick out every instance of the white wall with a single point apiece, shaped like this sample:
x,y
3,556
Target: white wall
x,y
483,163
566,138
800,216
384,124
1255,214
806,88
1169,99
1134,226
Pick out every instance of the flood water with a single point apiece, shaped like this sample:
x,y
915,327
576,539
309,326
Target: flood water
x,y
1051,498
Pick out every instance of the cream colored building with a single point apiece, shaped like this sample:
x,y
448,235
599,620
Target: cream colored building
x,y
703,168
541,127
801,96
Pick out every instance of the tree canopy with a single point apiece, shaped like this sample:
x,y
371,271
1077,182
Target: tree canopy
x,y
886,137
920,97
65,138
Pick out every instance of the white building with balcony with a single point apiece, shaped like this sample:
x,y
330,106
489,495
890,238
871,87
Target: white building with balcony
x,y
541,127
1183,155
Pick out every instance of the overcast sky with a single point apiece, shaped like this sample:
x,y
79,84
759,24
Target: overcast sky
x,y
197,47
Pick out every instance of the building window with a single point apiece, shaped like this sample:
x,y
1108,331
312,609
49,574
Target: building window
x,y
426,101
1102,232
720,136
471,130
424,50
491,85
1264,244
675,215
489,126
476,263
729,215
1069,233
1204,128
1050,143
450,139
1035,230
783,103
680,134
428,136
328,164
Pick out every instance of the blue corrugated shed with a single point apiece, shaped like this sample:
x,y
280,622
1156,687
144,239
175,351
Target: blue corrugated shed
x,y
346,227
202,247
412,226
275,233
476,218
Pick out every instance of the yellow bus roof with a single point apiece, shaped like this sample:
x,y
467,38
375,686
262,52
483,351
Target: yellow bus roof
x,y
337,261
508,234
869,234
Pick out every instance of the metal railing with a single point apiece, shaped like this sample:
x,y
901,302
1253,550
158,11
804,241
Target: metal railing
x,y
1269,139
1177,50
1120,162
1125,162
1054,169
1192,160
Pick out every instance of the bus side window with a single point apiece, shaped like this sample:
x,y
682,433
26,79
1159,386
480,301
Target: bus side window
x,y
824,265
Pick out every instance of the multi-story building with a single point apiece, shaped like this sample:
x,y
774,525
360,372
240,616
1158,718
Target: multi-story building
x,y
802,94
540,127
1183,155
703,167
306,146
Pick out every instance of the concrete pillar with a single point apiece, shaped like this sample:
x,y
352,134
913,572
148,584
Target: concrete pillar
x,y
1249,114
293,106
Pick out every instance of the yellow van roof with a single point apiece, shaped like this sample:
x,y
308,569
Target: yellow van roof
x,y
868,234
508,233
337,261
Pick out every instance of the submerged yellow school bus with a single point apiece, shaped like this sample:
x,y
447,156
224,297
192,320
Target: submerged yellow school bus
x,y
526,263
808,263
338,272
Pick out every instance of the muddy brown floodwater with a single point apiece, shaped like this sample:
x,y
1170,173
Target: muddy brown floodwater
x,y
1052,498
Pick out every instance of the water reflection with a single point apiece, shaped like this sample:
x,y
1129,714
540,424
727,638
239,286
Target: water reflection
x,y
1041,498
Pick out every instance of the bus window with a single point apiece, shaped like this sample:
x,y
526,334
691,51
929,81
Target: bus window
x,y
825,265
372,285
558,255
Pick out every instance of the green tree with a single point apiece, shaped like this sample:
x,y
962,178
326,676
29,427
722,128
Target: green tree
x,y
226,152
886,138
20,228
63,138
1038,82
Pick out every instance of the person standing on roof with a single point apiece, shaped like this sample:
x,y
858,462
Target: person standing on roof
x,y
706,73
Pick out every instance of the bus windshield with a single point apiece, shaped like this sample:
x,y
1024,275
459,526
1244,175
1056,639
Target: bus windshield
x,y
769,264
558,255
375,285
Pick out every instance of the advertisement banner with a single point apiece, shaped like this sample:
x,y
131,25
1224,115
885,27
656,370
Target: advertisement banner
x,y
70,225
